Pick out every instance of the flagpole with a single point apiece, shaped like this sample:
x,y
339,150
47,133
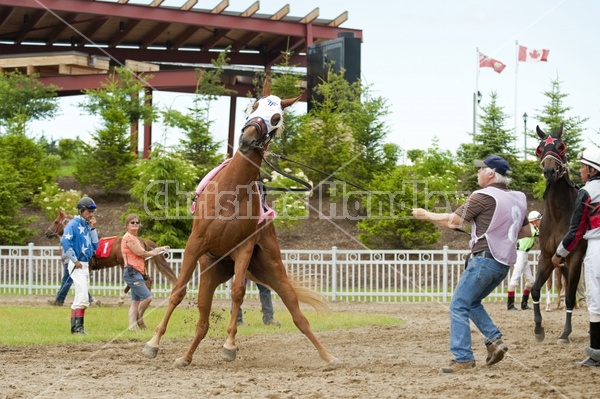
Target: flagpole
x,y
516,88
475,94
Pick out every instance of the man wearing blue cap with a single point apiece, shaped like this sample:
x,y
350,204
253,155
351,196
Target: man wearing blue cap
x,y
498,218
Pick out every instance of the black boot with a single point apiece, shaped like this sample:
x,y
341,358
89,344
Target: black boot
x,y
524,302
593,351
77,321
510,305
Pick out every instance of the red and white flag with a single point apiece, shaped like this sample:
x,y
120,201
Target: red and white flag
x,y
533,55
485,61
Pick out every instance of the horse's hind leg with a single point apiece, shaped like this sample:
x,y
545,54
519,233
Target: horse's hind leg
x,y
190,259
268,268
212,274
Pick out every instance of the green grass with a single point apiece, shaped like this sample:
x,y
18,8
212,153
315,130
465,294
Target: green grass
x,y
40,325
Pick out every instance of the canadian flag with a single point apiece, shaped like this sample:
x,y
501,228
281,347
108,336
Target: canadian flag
x,y
533,55
485,61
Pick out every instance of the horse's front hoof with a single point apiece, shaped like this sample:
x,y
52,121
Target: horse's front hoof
x,y
150,351
181,363
563,341
228,354
540,337
334,362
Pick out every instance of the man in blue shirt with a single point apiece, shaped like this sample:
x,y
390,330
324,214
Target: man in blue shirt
x,y
79,241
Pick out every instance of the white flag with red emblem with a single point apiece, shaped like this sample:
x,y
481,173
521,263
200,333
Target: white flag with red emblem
x,y
532,54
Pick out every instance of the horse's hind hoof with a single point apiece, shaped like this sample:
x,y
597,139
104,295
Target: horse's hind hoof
x,y
334,363
563,341
228,354
180,363
150,351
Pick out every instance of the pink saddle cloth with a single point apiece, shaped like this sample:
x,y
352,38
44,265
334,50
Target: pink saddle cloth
x,y
265,210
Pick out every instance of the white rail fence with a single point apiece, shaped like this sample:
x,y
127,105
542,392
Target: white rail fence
x,y
339,275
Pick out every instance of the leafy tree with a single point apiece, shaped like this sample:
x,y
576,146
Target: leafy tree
x,y
344,133
13,193
493,138
554,114
24,98
198,146
162,197
108,161
28,158
432,183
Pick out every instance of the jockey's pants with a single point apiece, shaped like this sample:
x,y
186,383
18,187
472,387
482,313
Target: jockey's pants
x,y
81,284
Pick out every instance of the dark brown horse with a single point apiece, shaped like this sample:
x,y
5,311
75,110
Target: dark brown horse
x,y
559,202
115,258
229,239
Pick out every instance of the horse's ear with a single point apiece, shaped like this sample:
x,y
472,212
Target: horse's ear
x,y
540,132
289,101
267,86
61,212
560,130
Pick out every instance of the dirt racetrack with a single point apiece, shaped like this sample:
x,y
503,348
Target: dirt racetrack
x,y
377,362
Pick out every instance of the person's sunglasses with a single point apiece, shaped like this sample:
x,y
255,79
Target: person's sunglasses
x,y
134,222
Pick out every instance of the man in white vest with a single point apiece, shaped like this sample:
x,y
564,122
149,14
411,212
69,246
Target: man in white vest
x,y
498,218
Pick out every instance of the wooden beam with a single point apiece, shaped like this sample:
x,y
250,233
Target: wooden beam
x,y
250,11
279,15
138,66
188,5
311,16
340,19
78,70
220,7
156,3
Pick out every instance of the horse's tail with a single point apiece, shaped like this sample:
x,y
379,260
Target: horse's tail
x,y
308,296
162,265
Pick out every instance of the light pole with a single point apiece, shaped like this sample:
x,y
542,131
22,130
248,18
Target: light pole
x,y
525,136
476,100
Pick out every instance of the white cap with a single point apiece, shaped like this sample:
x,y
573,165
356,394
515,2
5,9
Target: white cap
x,y
534,215
591,157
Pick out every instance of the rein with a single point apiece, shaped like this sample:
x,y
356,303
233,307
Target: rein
x,y
333,176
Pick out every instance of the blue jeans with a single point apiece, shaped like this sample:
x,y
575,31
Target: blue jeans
x,y
266,304
479,279
65,285
135,281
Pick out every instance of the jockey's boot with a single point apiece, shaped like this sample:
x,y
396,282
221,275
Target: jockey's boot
x,y
524,301
77,321
510,305
593,351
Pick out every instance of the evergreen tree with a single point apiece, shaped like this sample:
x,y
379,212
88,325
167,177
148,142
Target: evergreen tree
x,y
198,146
493,138
24,98
108,160
554,114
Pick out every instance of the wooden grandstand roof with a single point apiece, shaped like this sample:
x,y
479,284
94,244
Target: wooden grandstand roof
x,y
174,38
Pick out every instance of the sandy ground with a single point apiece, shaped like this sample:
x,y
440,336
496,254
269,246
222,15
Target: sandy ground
x,y
377,362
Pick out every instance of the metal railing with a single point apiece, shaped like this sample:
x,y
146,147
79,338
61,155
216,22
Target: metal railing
x,y
339,275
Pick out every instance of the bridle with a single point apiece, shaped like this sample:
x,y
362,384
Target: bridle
x,y
556,152
261,126
266,117
62,220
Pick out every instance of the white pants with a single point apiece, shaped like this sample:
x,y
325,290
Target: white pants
x,y
592,278
521,268
81,284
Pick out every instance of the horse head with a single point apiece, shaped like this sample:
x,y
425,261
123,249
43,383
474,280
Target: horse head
x,y
551,152
57,227
265,119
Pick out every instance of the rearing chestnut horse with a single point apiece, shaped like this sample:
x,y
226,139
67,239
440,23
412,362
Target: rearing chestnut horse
x,y
559,202
230,239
